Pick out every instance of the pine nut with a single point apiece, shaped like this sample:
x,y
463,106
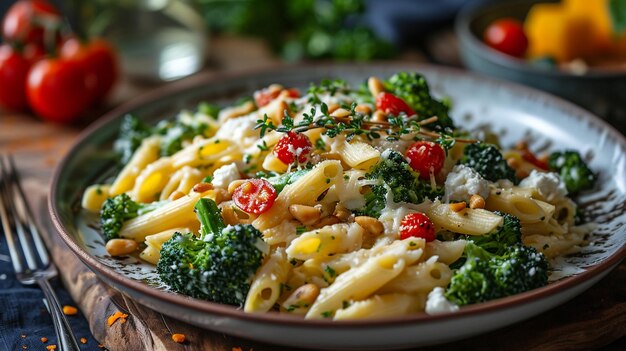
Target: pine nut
x,y
302,297
307,215
457,206
234,185
120,247
379,116
363,109
342,213
202,187
333,107
375,86
512,162
476,201
370,224
340,113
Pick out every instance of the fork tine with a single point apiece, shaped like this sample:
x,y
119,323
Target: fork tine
x,y
18,220
26,215
6,222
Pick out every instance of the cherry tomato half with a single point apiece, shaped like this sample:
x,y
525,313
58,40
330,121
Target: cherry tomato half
x,y
292,145
59,90
26,20
13,72
507,35
265,96
417,225
98,58
392,105
426,157
254,196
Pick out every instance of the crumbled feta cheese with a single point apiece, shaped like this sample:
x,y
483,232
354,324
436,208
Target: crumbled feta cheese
x,y
548,184
225,175
464,182
239,130
437,303
400,145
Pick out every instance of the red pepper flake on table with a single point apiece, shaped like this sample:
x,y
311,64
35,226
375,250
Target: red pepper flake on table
x,y
179,338
115,316
69,310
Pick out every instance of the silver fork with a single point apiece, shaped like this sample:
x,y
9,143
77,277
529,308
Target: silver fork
x,y
31,263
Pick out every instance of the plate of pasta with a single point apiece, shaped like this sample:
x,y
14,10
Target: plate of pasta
x,y
346,206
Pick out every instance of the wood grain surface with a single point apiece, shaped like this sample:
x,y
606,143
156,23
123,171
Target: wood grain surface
x,y
595,319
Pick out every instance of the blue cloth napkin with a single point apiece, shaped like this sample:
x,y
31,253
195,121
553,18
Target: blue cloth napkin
x,y
24,319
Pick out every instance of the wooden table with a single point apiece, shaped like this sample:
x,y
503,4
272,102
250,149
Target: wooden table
x,y
595,319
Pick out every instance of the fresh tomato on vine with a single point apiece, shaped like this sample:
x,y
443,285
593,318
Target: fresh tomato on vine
x,y
255,196
293,146
98,58
26,21
60,90
426,157
417,225
13,72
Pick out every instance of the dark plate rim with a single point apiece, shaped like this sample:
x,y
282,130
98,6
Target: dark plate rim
x,y
274,318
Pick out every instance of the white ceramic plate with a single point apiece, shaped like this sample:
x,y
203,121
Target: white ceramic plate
x,y
515,112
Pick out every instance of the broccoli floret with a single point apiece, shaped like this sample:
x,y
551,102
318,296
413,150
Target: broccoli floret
x,y
485,276
522,268
573,171
216,265
208,109
118,209
175,133
487,160
394,173
413,89
132,132
501,239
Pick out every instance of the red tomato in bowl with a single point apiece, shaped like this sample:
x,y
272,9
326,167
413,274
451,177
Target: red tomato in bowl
x,y
98,58
507,36
59,90
26,20
13,72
